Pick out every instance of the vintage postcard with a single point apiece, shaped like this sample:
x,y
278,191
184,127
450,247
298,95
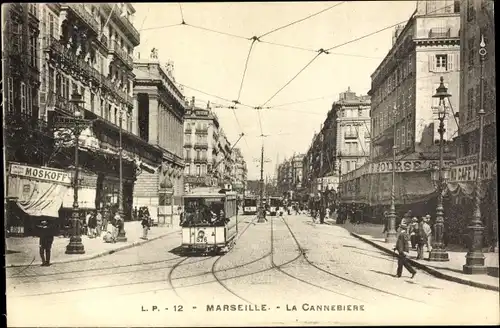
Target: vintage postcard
x,y
250,164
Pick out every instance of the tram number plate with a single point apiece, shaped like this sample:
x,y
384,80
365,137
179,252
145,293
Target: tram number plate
x,y
201,239
202,236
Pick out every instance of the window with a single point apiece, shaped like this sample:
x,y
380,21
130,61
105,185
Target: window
x,y
470,104
403,136
108,113
92,100
471,13
29,100
441,62
398,131
198,170
186,170
360,112
203,169
456,6
10,95
23,97
471,52
32,50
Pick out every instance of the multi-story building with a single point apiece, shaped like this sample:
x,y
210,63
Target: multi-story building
x,y
159,107
353,132
477,25
404,113
239,171
85,52
290,175
207,153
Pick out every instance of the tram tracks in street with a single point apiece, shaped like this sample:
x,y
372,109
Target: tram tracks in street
x,y
303,254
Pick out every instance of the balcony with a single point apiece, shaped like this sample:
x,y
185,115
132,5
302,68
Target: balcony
x,y
201,131
188,144
201,145
439,32
188,130
350,135
352,152
123,23
79,10
188,158
18,119
200,160
116,49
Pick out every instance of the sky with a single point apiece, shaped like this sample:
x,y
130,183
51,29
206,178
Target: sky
x,y
214,63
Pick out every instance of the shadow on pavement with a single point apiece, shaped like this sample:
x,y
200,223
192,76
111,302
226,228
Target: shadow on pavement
x,y
180,251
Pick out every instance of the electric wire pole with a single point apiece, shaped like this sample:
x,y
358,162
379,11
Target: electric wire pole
x,y
261,196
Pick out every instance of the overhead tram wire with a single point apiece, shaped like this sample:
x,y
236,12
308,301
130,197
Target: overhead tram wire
x,y
301,20
182,14
245,70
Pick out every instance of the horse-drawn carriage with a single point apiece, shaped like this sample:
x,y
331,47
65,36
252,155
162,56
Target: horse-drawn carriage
x,y
210,220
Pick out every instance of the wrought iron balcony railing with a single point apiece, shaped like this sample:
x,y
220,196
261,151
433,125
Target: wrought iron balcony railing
x,y
79,10
350,135
114,48
201,131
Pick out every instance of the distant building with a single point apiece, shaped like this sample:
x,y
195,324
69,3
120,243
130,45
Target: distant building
x,y
207,152
239,171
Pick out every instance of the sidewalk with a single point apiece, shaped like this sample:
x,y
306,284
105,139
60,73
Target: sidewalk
x,y
450,270
23,251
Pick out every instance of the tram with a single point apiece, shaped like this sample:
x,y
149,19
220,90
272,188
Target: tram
x,y
274,205
250,205
210,220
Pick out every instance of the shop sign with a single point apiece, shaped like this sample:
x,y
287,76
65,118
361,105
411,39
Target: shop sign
x,y
42,173
405,166
468,173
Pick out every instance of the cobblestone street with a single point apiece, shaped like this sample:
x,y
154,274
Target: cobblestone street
x,y
283,263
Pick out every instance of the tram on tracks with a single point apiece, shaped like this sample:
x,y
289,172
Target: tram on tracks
x,y
274,205
250,205
210,220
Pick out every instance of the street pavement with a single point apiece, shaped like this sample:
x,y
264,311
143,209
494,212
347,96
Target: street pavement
x,y
24,251
287,265
452,269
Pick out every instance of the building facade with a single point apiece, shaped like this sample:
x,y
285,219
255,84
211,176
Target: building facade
x,y
83,50
207,152
477,25
240,171
403,111
159,107
290,176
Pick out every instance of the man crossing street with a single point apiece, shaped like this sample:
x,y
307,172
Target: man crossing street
x,y
402,248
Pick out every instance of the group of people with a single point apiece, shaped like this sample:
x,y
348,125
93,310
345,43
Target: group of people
x,y
204,215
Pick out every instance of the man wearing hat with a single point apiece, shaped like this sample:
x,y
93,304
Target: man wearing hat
x,y
46,240
428,231
413,232
402,249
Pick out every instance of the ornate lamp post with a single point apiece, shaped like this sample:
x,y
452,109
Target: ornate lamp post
x,y
75,245
474,260
438,253
391,233
121,233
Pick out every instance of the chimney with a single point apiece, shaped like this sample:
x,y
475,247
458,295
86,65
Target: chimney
x,y
192,102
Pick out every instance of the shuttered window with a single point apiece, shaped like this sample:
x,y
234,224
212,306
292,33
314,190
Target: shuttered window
x,y
23,97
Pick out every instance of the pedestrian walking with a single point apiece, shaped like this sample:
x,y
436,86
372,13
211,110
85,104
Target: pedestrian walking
x,y
105,220
386,221
402,249
421,239
98,218
428,232
145,227
413,232
86,223
92,225
117,224
46,240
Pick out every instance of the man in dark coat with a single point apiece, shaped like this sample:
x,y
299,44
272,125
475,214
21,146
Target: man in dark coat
x,y
46,239
402,248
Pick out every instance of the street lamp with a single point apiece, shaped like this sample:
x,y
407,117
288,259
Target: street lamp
x,y
474,260
391,233
438,253
75,245
121,233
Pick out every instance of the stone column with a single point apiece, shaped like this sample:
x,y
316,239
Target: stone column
x,y
153,119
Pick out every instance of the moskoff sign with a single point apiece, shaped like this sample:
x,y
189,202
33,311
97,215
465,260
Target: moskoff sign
x,y
41,173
